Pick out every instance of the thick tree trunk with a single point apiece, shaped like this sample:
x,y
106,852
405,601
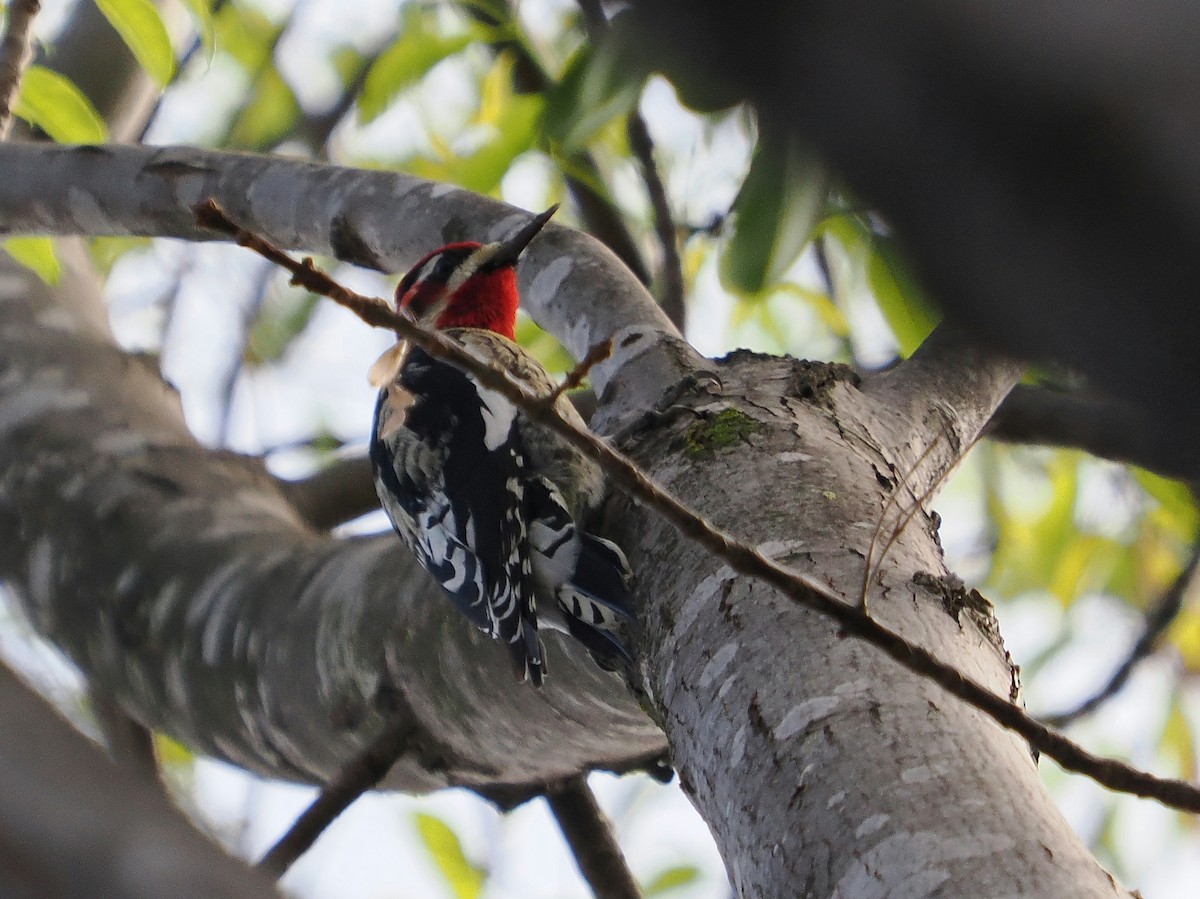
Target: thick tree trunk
x,y
182,581
823,768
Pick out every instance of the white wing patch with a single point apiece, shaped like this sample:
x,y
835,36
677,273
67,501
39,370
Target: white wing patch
x,y
498,417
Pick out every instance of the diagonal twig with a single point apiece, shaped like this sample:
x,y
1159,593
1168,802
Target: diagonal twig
x,y
671,277
672,299
742,558
589,833
359,776
1158,619
16,50
575,376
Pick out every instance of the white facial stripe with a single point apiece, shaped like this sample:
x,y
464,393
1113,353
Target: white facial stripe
x,y
470,266
425,270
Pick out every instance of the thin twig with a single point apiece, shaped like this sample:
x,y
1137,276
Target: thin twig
x,y
589,833
871,566
742,558
575,376
1158,619
16,50
363,773
671,277
672,299
229,384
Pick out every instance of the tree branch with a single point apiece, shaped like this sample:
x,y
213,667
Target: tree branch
x,y
741,557
590,835
1108,428
16,51
72,823
128,741
570,283
178,611
339,492
949,388
1158,619
362,774
673,300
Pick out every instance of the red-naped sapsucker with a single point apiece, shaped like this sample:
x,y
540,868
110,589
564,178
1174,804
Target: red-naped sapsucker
x,y
492,505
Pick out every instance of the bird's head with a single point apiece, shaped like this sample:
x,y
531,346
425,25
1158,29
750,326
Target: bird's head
x,y
469,285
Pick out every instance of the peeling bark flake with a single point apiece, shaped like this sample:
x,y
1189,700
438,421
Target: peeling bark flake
x,y
807,713
718,663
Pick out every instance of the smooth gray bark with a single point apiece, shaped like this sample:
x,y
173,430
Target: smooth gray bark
x,y
823,768
378,219
182,580
75,826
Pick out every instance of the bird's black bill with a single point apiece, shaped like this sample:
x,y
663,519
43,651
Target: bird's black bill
x,y
510,249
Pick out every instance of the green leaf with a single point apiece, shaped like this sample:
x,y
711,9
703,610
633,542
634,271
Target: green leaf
x,y
269,116
201,11
418,49
900,298
105,251
36,253
142,29
1177,501
512,119
57,106
246,35
464,877
346,62
779,204
282,319
1177,740
672,878
594,90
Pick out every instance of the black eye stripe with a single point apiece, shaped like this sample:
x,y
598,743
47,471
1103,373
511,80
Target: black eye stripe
x,y
436,269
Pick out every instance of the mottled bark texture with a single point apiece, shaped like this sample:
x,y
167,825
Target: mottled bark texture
x,y
75,826
1040,160
570,283
823,768
184,581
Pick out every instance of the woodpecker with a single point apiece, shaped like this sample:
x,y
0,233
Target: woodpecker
x,y
493,505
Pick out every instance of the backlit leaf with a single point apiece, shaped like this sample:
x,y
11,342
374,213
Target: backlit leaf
x,y
245,34
779,204
464,878
36,253
594,90
58,107
672,878
418,49
142,29
269,116
201,11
